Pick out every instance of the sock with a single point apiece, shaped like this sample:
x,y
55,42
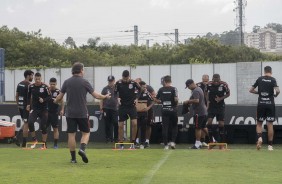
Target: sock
x,y
259,135
148,141
270,143
137,140
73,156
198,143
82,146
24,141
55,142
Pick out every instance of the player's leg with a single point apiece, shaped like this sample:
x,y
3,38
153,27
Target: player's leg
x,y
54,117
122,118
44,126
270,118
132,112
210,128
84,127
173,121
261,115
115,124
72,129
31,120
149,127
197,122
107,119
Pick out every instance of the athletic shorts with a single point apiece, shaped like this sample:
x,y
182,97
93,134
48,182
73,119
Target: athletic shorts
x,y
24,114
200,121
53,119
218,112
78,123
266,112
125,112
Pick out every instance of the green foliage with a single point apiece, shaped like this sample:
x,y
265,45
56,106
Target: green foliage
x,y
32,50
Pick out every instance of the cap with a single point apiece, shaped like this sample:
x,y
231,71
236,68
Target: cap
x,y
111,78
189,82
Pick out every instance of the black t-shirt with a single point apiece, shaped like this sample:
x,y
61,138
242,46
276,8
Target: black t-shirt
x,y
53,107
266,85
127,92
220,89
167,97
36,92
22,90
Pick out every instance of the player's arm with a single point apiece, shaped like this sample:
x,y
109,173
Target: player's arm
x,y
100,96
47,95
28,98
17,98
277,91
62,105
59,98
252,90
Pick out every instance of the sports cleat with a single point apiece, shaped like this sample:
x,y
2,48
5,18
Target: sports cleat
x,y
16,141
73,161
270,148
146,145
204,144
259,143
132,146
55,147
195,147
34,144
83,156
172,145
166,147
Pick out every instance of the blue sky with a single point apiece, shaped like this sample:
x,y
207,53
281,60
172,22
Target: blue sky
x,y
112,19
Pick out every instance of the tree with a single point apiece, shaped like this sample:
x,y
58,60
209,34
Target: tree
x,y
256,29
275,26
70,43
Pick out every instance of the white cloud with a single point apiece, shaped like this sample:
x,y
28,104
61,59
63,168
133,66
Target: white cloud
x,y
165,4
10,9
227,8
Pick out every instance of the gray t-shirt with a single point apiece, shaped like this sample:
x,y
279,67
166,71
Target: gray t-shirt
x,y
199,108
111,103
76,88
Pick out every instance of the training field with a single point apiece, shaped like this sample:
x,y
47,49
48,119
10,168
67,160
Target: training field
x,y
241,164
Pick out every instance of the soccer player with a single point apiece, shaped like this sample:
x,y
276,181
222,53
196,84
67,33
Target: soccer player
x,y
216,92
37,100
53,110
266,106
168,97
203,86
127,93
150,118
145,101
76,88
109,109
21,99
197,101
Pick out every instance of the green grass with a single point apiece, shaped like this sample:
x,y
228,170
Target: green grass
x,y
240,164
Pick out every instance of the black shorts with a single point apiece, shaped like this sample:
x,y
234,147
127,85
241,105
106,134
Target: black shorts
x,y
125,112
266,112
53,119
81,123
42,114
200,121
218,112
24,114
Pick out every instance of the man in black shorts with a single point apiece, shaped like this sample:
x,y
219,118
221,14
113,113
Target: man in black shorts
x,y
38,96
109,109
127,89
21,99
53,110
197,101
216,92
266,106
77,115
168,97
150,118
144,104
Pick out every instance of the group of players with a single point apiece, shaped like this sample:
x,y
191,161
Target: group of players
x,y
134,99
35,100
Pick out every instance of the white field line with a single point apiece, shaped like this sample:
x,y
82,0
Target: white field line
x,y
148,177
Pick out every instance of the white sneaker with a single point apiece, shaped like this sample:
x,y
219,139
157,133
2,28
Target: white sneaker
x,y
259,143
172,145
166,148
204,144
270,148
